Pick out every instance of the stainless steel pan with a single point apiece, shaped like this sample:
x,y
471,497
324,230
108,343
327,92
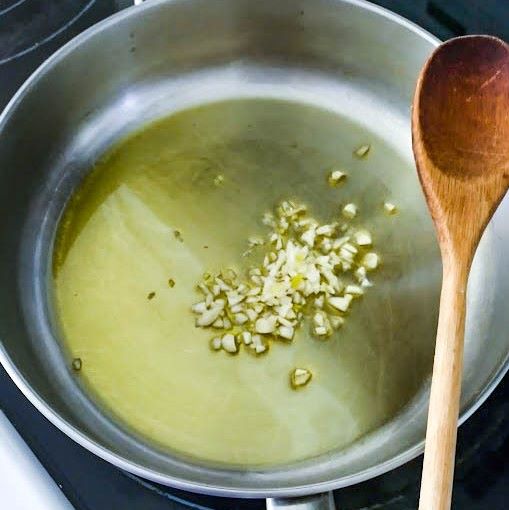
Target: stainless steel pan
x,y
347,56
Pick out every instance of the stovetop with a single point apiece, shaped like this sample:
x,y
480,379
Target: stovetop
x,y
30,30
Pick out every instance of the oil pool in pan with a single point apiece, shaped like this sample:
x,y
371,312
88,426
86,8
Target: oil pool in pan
x,y
125,282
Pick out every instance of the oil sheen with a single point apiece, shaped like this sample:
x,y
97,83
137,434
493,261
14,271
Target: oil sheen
x,y
143,360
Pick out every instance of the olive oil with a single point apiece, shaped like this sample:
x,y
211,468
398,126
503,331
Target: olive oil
x,y
181,197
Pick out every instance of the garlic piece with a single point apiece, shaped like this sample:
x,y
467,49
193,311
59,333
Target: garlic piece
x,y
299,377
234,298
325,246
336,321
218,324
254,241
337,243
347,247
251,314
246,337
268,219
362,238
360,273
286,332
266,325
309,237
229,343
370,261
208,317
318,319
354,290
286,322
319,301
228,275
257,345
205,290
200,307
340,303
362,151
366,283
325,230
215,344
222,285
258,308
390,208
335,177
321,324
349,211
240,318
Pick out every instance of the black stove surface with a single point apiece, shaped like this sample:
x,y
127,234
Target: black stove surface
x,y
30,30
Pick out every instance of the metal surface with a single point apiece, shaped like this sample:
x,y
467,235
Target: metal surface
x,y
346,56
323,501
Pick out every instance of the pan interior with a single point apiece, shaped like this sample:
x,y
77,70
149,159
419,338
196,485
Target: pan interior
x,y
144,360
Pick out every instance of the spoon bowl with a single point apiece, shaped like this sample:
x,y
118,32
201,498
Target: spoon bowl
x,y
462,112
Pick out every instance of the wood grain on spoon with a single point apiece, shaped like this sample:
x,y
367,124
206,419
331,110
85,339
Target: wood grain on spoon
x,y
460,129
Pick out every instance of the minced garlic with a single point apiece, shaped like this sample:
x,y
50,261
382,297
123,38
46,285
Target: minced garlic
x,y
362,151
362,238
309,270
390,208
349,211
370,261
229,343
299,377
336,177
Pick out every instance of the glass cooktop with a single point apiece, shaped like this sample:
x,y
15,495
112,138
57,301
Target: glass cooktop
x,y
30,30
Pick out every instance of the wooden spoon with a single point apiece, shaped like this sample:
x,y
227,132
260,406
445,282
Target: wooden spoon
x,y
460,128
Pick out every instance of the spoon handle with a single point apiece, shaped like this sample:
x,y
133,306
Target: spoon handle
x,y
438,468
